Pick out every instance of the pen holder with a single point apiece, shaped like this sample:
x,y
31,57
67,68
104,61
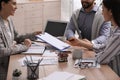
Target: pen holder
x,y
32,71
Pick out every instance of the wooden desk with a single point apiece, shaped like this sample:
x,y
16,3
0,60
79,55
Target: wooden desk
x,y
103,73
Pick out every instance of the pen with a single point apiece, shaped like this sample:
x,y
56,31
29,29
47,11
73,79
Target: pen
x,y
44,49
26,58
40,60
31,59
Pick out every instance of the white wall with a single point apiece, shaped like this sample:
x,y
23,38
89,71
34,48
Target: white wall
x,y
65,9
76,4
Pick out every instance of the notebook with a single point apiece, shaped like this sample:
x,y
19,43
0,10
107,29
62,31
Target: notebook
x,y
55,28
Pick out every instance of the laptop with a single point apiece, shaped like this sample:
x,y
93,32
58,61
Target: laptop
x,y
55,28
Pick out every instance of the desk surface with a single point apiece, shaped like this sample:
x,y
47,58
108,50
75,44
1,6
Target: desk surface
x,y
103,73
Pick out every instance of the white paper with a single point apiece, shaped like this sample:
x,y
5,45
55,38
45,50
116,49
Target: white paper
x,y
39,49
63,76
45,61
49,61
59,76
39,40
29,58
54,41
48,53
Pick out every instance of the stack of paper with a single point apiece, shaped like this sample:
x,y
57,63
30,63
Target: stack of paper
x,y
34,59
35,49
63,76
49,61
62,46
49,53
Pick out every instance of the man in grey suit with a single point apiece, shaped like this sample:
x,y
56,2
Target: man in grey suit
x,y
89,23
10,41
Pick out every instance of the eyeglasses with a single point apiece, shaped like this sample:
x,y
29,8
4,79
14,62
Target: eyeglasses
x,y
87,63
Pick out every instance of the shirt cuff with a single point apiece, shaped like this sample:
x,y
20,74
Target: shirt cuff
x,y
95,46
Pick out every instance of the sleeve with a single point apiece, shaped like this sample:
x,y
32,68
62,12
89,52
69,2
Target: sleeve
x,y
7,51
72,26
104,34
112,49
70,30
21,38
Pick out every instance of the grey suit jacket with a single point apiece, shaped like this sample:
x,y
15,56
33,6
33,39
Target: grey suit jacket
x,y
97,22
6,44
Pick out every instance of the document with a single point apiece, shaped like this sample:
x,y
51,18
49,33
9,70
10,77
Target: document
x,y
49,61
63,76
35,49
34,59
62,46
49,53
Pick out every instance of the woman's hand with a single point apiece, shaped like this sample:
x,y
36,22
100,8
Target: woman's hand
x,y
37,32
27,42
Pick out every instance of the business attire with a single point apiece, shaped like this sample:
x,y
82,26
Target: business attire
x,y
111,54
89,25
8,36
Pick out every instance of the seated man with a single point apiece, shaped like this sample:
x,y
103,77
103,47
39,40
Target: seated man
x,y
90,26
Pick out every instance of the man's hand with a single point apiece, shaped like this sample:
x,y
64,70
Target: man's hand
x,y
81,43
87,41
71,39
74,42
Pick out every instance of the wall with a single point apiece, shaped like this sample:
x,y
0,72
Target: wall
x,y
69,6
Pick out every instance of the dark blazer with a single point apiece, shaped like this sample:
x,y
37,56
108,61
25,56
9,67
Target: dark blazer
x,y
6,44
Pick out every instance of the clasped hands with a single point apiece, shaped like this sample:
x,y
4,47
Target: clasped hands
x,y
80,42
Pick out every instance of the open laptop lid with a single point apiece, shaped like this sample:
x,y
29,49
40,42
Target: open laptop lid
x,y
55,28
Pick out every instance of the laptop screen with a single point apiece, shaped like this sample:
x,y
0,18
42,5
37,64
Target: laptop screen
x,y
55,28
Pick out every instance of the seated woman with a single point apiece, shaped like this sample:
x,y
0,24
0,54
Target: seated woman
x,y
10,41
111,53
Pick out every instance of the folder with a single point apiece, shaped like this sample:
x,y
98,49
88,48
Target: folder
x,y
57,75
60,45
